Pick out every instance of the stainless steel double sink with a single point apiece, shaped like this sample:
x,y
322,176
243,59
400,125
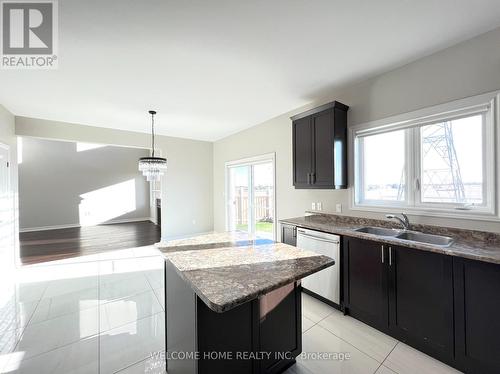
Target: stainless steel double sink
x,y
410,236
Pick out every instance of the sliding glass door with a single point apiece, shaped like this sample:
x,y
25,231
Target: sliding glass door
x,y
250,196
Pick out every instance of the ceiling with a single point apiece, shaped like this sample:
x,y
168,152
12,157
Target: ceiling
x,y
213,68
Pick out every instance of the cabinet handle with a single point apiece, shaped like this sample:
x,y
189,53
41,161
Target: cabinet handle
x,y
382,253
295,232
308,178
313,177
390,256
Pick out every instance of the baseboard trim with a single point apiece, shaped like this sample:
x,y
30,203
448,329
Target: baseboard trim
x,y
69,226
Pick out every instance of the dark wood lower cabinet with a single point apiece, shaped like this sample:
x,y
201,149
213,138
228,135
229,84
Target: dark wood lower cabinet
x,y
477,308
365,281
289,234
447,307
421,300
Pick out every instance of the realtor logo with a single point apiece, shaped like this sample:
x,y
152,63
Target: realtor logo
x,y
29,34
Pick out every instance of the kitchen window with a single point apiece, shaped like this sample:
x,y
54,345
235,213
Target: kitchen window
x,y
439,163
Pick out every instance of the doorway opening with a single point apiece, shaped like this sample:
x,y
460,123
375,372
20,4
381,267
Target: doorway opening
x,y
250,196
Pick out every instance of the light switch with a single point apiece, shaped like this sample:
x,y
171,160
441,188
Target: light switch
x,y
319,206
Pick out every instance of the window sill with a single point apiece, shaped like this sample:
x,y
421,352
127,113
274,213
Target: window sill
x,y
422,212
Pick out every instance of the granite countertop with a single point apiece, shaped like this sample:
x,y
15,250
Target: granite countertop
x,y
475,245
229,269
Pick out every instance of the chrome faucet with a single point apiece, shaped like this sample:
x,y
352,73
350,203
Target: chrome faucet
x,y
405,222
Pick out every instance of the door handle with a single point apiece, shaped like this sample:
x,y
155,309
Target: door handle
x,y
382,253
317,238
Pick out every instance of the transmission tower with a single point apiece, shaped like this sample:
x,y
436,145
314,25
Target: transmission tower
x,y
445,183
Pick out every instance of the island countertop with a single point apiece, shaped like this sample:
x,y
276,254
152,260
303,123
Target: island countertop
x,y
228,269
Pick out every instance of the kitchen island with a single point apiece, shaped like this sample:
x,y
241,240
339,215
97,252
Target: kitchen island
x,y
233,303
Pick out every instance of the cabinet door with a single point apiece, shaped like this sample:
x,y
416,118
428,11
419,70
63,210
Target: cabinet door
x,y
477,326
289,234
365,281
302,152
421,300
322,125
280,327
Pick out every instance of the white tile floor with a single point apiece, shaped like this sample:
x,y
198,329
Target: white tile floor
x,y
95,314
105,314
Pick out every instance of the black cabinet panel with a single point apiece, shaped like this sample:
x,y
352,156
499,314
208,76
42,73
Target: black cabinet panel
x,y
232,331
421,300
365,281
289,234
302,152
477,304
280,325
322,124
340,149
320,147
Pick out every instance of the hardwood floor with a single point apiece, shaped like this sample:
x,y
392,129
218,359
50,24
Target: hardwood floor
x,y
50,245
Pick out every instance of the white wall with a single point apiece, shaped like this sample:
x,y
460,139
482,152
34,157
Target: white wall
x,y
467,69
187,186
63,184
7,137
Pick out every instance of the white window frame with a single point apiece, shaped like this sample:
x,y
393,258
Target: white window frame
x,y
260,159
488,103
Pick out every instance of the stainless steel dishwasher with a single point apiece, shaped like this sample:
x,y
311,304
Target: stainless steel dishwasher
x,y
325,283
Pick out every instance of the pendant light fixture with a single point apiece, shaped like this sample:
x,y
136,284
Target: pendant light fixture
x,y
152,167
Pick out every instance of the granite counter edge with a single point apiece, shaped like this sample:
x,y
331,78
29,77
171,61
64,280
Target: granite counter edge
x,y
221,308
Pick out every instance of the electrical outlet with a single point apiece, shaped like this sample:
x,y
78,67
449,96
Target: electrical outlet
x,y
319,206
313,206
338,208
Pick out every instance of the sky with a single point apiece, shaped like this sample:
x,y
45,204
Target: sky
x,y
263,174
384,153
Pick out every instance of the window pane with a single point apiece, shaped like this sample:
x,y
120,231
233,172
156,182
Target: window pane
x,y
383,166
452,161
238,198
263,200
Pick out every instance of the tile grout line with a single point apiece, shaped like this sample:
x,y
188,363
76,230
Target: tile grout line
x,y
351,344
89,337
154,293
141,360
37,301
99,317
386,357
23,329
128,366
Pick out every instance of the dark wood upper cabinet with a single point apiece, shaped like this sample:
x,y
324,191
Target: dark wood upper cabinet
x,y
302,151
320,147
